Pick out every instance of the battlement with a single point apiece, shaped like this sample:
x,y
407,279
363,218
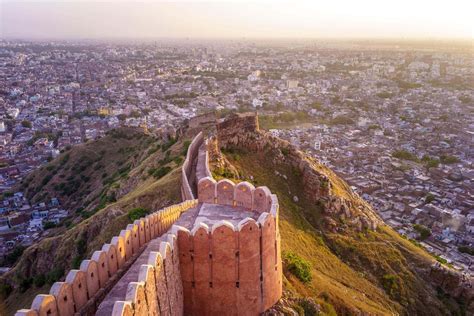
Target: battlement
x,y
84,288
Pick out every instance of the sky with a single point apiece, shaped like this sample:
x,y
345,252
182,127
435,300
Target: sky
x,y
101,19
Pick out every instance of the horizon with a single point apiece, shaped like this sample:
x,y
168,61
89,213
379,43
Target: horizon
x,y
217,20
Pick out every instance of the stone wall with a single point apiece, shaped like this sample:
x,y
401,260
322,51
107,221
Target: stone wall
x,y
158,289
84,288
230,270
186,171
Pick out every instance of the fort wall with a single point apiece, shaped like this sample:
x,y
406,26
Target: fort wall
x,y
226,269
186,171
84,288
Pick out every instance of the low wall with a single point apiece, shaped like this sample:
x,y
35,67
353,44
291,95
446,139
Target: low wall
x,y
78,293
191,155
243,194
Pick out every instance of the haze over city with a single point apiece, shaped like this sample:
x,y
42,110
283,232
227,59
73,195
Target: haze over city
x,y
77,19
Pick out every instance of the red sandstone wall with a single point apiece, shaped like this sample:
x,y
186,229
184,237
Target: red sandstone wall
x,y
186,191
77,293
230,270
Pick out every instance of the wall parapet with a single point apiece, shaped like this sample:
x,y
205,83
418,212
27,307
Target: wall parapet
x,y
186,170
82,288
158,289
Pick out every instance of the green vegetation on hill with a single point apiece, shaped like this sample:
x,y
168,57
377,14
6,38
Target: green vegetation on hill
x,y
112,186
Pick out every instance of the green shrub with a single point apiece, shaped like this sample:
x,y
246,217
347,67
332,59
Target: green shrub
x,y
424,232
178,160
12,257
54,275
390,283
39,280
310,308
160,173
404,155
25,284
297,266
186,144
446,159
137,213
5,290
48,225
466,249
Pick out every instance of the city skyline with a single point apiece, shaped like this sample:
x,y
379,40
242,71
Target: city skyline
x,y
77,19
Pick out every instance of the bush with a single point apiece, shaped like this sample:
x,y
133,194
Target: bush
x,y
424,232
390,283
466,249
429,198
25,284
49,225
137,213
446,159
39,280
299,267
310,307
186,144
54,275
160,173
12,257
5,290
26,124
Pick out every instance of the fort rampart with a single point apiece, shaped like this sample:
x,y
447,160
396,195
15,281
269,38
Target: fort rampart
x,y
223,268
187,169
84,288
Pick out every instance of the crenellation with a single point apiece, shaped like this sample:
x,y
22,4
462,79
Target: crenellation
x,y
136,295
62,291
100,257
112,258
147,277
89,267
122,308
45,305
80,288
26,312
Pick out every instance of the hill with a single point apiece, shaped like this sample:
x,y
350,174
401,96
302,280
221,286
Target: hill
x,y
336,251
109,183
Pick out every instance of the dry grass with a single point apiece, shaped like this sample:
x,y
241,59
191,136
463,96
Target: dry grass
x,y
347,269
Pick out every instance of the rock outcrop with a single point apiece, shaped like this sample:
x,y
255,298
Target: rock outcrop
x,y
320,185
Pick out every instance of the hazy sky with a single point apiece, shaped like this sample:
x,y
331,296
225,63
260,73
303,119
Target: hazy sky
x,y
258,18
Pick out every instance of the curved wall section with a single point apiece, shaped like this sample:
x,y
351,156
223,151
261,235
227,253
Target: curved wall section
x,y
186,171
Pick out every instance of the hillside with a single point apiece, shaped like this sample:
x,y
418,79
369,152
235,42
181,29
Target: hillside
x,y
108,182
353,268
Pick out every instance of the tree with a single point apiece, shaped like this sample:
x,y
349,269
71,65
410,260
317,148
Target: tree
x,y
26,124
424,231
429,198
